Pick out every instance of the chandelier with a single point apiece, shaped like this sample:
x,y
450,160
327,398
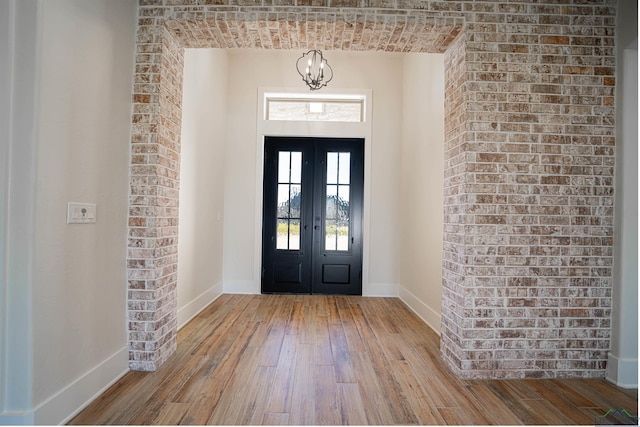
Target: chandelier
x,y
314,69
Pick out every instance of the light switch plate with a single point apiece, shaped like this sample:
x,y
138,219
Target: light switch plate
x,y
81,213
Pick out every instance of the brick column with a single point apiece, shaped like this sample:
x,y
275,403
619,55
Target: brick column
x,y
529,191
153,212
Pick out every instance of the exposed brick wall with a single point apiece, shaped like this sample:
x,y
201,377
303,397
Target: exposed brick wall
x,y
533,295
528,176
153,201
455,200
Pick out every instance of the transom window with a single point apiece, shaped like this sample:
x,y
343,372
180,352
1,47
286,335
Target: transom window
x,y
314,107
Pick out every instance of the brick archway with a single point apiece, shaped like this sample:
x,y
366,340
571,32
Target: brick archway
x,y
528,176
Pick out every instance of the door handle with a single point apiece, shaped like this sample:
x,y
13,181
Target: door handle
x,y
316,227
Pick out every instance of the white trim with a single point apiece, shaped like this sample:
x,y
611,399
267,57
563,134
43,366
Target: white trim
x,y
241,286
7,24
69,401
318,129
19,235
622,372
431,317
381,290
199,303
17,419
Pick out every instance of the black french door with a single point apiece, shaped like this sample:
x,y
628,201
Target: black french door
x,y
312,215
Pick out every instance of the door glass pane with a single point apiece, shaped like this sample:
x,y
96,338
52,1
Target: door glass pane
x,y
296,167
289,199
294,235
343,236
294,200
343,202
344,166
284,166
331,241
337,211
282,234
283,200
332,195
332,168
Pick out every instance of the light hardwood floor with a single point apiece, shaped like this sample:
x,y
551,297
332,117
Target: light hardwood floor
x,y
331,360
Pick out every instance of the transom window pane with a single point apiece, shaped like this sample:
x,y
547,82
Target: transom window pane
x,y
297,107
289,196
337,212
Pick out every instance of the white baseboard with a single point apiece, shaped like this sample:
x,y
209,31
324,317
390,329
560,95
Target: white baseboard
x,y
199,303
622,372
69,401
241,287
380,290
426,313
17,419
252,287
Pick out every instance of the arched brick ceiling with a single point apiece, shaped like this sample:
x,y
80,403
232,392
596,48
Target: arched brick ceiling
x,y
359,31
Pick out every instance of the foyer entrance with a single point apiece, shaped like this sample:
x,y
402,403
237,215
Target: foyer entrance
x,y
312,215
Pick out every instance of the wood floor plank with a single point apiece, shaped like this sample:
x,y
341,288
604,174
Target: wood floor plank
x,y
340,352
352,408
322,343
259,397
420,402
249,405
275,326
326,391
354,340
567,392
307,330
331,360
519,407
169,388
454,416
282,389
217,346
294,326
302,410
333,316
425,372
560,404
374,395
230,405
548,413
212,388
361,323
113,401
399,406
275,419
386,318
321,306
605,394
496,409
171,414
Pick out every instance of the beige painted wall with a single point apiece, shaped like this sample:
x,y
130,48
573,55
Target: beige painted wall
x,y
249,70
202,151
421,216
83,121
405,233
